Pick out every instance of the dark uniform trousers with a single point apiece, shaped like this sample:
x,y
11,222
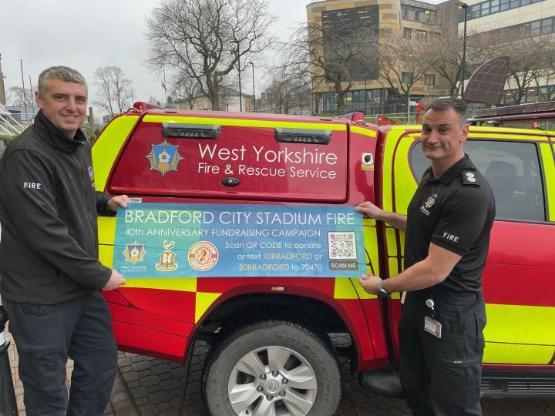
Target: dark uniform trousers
x,y
45,335
441,376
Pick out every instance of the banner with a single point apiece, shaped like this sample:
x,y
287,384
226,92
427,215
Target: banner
x,y
201,240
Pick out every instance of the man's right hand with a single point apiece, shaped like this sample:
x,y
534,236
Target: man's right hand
x,y
116,280
370,210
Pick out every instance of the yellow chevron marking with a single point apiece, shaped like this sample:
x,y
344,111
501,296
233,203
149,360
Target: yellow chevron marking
x,y
203,301
344,288
363,131
242,122
517,324
517,354
106,255
549,166
107,146
106,230
504,135
180,284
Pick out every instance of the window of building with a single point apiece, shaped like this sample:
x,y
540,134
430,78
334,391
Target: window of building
x,y
406,77
418,14
504,5
535,28
547,25
430,79
407,33
488,7
421,34
347,26
513,171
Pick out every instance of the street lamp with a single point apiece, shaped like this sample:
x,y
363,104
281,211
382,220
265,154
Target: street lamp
x,y
253,94
239,70
463,6
365,97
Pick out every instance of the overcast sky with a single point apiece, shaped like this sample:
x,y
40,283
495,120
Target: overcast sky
x,y
86,34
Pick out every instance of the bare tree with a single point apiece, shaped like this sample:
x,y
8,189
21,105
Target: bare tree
x,y
532,57
205,39
186,90
20,97
115,93
335,57
447,52
289,92
404,62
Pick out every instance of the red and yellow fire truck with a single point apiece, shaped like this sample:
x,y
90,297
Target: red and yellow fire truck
x,y
258,290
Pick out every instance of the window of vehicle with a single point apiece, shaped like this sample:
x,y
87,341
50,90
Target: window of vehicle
x,y
513,171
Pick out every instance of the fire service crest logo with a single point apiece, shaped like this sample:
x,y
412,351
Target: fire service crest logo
x,y
164,157
134,253
203,255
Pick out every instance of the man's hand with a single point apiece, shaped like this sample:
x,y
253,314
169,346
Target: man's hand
x,y
371,284
370,210
118,201
116,280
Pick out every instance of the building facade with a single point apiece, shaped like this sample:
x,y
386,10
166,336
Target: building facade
x,y
516,20
379,21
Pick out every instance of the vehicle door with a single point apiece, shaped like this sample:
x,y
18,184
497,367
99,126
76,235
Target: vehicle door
x,y
519,279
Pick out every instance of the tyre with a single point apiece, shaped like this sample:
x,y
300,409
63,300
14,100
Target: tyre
x,y
273,368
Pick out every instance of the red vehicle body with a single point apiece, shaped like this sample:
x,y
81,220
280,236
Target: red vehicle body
x,y
165,317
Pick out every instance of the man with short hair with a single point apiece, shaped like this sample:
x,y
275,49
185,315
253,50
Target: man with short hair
x,y
50,273
447,237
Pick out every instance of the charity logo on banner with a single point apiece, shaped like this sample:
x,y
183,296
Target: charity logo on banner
x,y
201,240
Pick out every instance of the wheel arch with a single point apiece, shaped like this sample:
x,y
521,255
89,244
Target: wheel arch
x,y
316,314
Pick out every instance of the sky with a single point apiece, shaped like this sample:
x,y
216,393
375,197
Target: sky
x,y
86,34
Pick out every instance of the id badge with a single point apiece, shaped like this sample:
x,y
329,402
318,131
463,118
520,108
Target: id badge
x,y
432,326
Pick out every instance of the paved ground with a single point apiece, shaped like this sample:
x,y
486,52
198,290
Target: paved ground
x,y
146,386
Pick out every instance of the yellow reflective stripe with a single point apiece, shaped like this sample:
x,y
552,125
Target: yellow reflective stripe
x,y
242,122
363,131
344,288
549,168
202,302
106,255
495,353
392,266
181,284
391,241
505,136
106,230
405,184
107,147
520,324
371,246
387,179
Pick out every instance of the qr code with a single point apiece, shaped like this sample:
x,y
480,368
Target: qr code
x,y
342,246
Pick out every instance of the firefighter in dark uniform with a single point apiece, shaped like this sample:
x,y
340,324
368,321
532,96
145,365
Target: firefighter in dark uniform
x,y
447,237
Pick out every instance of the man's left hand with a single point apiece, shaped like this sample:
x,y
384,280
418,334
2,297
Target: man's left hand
x,y
118,201
371,284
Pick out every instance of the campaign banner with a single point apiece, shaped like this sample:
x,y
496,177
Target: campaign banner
x,y
202,240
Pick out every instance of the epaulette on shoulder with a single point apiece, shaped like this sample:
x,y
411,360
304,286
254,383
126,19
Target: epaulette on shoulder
x,y
470,178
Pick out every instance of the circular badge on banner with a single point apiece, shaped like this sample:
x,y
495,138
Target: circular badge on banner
x,y
203,255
